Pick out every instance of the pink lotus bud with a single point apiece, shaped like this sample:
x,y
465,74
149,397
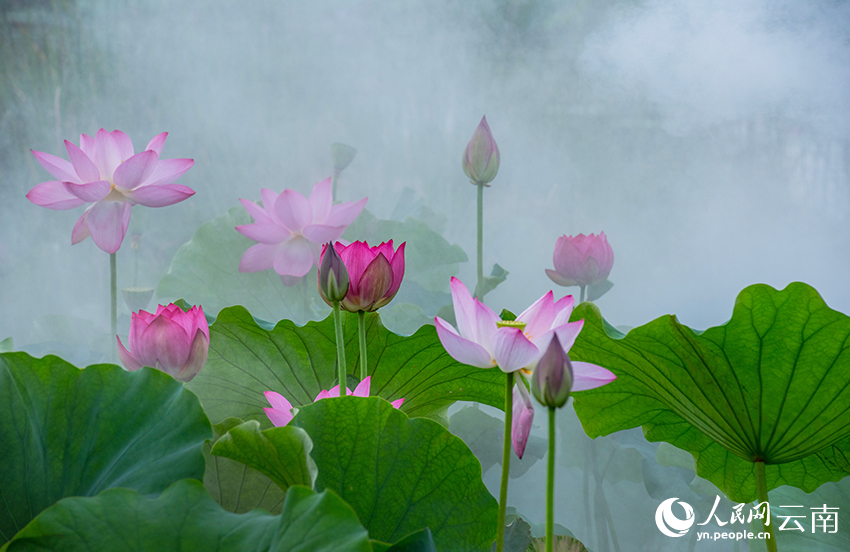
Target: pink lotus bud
x,y
481,158
375,274
582,261
552,379
171,340
333,276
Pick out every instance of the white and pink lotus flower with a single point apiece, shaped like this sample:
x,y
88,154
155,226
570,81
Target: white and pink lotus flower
x,y
291,229
106,171
280,412
480,342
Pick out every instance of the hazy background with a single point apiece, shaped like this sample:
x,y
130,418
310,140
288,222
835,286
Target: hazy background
x,y
708,140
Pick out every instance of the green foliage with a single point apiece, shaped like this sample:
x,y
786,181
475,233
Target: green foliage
x,y
70,432
235,486
400,475
185,519
489,283
246,359
772,384
280,453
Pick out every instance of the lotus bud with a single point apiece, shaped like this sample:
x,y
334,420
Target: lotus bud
x,y
171,340
342,155
481,158
552,379
333,276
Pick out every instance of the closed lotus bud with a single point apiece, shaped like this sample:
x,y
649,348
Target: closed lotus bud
x,y
170,340
333,276
552,380
342,155
481,158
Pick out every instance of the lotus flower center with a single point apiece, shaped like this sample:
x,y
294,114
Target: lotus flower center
x,y
520,325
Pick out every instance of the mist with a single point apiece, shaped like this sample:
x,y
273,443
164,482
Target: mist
x,y
711,143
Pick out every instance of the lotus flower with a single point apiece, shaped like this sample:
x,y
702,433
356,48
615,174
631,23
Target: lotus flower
x,y
170,340
552,380
105,171
481,157
333,276
375,274
290,230
280,412
481,342
583,261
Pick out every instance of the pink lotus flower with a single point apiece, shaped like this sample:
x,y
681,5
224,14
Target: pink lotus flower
x,y
481,157
375,274
105,171
280,412
583,261
170,340
481,342
290,230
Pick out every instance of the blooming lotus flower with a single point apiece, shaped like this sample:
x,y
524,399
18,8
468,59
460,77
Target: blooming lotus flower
x,y
583,261
375,274
280,412
290,230
517,346
481,157
105,171
170,340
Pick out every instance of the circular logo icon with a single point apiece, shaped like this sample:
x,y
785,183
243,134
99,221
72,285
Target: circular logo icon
x,y
667,521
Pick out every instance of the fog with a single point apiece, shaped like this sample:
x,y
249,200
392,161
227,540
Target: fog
x,y
709,142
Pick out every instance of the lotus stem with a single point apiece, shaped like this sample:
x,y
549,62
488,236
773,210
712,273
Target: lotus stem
x,y
113,296
361,326
581,299
550,485
761,494
506,461
480,252
334,184
340,350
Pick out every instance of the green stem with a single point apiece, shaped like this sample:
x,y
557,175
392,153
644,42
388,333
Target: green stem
x,y
581,300
550,487
506,461
334,184
361,323
113,296
480,257
761,493
340,350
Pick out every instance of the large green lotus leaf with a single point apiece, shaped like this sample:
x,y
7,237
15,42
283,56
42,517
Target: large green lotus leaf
x,y
70,432
184,518
235,486
246,359
400,475
205,271
280,453
772,384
